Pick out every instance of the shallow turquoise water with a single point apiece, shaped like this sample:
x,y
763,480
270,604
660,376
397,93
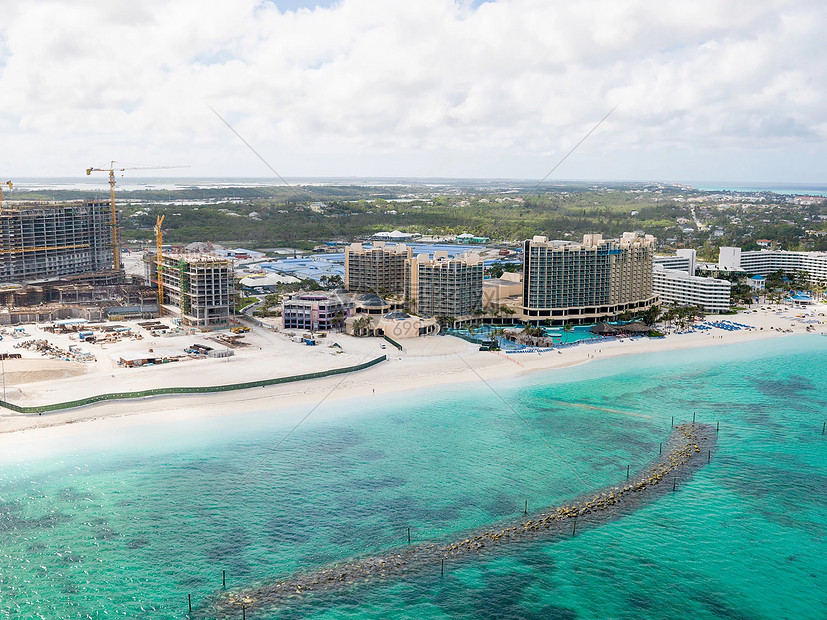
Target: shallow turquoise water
x,y
482,332
128,523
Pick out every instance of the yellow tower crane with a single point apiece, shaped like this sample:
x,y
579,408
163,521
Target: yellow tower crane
x,y
9,183
112,169
159,265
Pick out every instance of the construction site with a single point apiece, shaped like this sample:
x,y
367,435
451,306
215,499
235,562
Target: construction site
x,y
199,286
47,241
62,260
57,262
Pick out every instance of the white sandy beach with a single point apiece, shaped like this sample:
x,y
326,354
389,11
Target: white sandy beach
x,y
432,361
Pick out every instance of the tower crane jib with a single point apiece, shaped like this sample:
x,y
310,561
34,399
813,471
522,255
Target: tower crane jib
x,y
9,185
112,169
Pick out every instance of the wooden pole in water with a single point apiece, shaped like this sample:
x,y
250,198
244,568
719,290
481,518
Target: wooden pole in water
x,y
823,428
693,417
243,613
660,449
409,535
526,508
673,421
708,455
189,601
717,426
574,527
442,570
673,484
627,472
224,579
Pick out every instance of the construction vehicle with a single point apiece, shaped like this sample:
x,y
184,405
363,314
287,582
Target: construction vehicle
x,y
241,329
111,170
159,263
9,183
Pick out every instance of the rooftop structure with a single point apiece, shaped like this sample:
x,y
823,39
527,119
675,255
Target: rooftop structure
x,y
499,291
567,282
684,260
395,324
678,287
53,240
394,236
239,253
313,267
268,281
469,238
371,303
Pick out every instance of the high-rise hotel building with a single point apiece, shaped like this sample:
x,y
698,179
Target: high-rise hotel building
x,y
445,286
377,269
567,282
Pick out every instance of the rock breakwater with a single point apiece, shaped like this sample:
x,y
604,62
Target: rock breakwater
x,y
688,449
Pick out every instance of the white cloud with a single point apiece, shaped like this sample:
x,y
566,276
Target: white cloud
x,y
432,87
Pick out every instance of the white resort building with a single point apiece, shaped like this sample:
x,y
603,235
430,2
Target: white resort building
x,y
684,260
678,287
765,262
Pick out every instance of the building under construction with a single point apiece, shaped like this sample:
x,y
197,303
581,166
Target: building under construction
x,y
199,285
47,241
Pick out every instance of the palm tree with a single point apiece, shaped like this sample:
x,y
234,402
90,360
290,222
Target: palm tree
x,y
338,321
361,325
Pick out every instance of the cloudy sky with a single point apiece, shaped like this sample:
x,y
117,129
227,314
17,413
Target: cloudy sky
x,y
706,90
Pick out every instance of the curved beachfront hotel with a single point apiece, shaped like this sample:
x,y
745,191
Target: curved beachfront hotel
x,y
577,283
765,262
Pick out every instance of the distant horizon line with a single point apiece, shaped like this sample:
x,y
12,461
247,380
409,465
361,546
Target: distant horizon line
x,y
275,181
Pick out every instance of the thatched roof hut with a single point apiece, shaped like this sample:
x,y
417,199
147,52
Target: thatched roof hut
x,y
604,329
635,328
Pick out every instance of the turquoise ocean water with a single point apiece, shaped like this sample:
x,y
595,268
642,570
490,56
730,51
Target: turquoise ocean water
x,y
127,523
791,189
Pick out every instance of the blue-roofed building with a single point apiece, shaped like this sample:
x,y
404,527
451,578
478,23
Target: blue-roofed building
x,y
800,300
312,267
238,253
757,283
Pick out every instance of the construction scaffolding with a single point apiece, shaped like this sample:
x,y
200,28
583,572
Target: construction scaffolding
x,y
200,286
52,240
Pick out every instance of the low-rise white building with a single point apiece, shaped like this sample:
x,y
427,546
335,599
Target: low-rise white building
x,y
678,287
316,311
757,283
